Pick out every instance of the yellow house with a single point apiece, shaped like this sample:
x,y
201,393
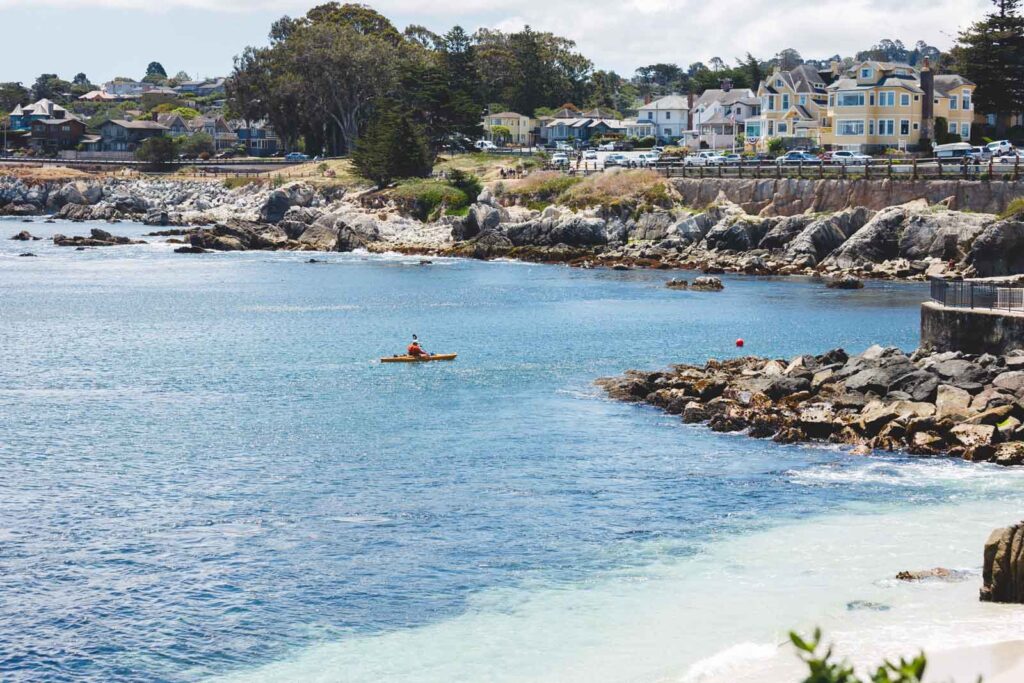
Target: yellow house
x,y
792,108
878,105
518,125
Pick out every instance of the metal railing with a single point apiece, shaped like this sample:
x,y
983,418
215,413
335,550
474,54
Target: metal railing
x,y
890,169
1001,296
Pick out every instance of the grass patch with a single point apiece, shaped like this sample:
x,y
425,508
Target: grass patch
x,y
236,182
1013,209
486,166
633,188
540,186
425,198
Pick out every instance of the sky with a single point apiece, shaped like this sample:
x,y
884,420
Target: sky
x,y
108,38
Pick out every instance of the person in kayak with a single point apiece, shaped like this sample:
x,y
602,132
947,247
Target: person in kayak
x,y
415,350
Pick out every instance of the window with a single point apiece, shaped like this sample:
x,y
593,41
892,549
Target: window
x,y
650,116
803,100
783,127
916,125
904,127
668,116
871,99
785,102
851,99
771,102
850,127
966,100
952,127
668,131
871,127
831,100
778,82
965,131
952,102
66,129
865,73
887,99
904,100
886,127
771,128
753,129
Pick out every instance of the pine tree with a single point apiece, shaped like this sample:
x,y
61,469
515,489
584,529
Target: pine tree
x,y
991,54
392,147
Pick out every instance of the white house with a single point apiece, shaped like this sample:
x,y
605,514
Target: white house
x,y
670,116
719,114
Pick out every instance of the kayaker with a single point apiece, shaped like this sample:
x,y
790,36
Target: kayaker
x,y
415,350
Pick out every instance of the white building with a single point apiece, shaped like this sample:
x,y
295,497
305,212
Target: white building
x,y
670,117
719,114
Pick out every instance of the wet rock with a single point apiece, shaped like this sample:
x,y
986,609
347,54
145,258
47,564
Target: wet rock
x,y
1003,566
707,284
677,283
936,574
24,236
844,282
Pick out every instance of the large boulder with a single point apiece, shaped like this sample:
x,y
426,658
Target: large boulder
x,y
825,235
783,232
999,249
1003,566
275,206
738,233
879,239
341,231
941,234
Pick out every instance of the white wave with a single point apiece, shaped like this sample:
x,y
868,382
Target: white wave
x,y
299,309
729,661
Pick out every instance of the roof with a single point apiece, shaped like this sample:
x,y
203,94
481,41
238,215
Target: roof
x,y
43,107
137,125
508,115
946,82
97,95
56,122
668,102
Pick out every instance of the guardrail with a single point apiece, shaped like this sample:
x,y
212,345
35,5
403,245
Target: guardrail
x,y
1004,296
893,169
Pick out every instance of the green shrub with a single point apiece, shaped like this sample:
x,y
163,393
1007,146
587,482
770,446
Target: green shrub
x,y
424,199
776,146
1014,209
157,151
467,182
238,181
823,669
542,186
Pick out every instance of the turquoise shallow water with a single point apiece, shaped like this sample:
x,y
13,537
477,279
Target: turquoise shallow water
x,y
204,470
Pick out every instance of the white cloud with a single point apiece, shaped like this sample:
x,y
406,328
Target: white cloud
x,y
624,34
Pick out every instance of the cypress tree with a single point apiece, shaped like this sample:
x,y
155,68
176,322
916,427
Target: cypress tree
x,y
991,54
392,147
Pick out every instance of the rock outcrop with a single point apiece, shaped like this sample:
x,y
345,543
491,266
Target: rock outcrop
x,y
1003,568
924,404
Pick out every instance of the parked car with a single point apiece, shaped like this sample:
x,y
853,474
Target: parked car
x,y
981,153
560,159
607,147
292,156
847,157
704,159
647,158
1016,156
796,158
616,160
954,151
1000,147
658,148
590,155
485,145
732,159
230,153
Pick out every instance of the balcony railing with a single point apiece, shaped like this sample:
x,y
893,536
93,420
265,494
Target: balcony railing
x,y
1001,296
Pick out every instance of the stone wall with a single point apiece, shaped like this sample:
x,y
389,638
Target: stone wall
x,y
970,330
791,196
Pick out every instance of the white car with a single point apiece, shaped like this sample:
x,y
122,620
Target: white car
x,y
648,158
847,157
590,155
1000,147
1014,156
560,159
607,147
616,160
484,145
704,159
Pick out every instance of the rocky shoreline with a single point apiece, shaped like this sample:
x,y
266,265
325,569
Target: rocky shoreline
x,y
911,241
928,404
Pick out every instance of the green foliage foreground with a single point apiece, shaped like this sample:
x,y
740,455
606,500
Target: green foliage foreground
x,y
823,669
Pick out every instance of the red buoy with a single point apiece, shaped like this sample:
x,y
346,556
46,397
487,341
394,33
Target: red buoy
x,y
739,343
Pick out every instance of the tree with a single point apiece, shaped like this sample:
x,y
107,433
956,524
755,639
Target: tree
x,y
187,113
501,133
752,67
788,59
392,147
776,146
50,87
197,144
158,150
11,95
991,54
156,69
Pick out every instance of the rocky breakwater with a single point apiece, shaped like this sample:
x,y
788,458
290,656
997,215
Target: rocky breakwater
x,y
910,241
952,404
96,238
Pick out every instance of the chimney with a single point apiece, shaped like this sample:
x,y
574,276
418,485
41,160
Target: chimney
x,y
648,98
689,100
726,84
927,101
834,66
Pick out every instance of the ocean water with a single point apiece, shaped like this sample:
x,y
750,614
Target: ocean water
x,y
205,474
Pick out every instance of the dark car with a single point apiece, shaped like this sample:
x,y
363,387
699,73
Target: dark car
x,y
796,158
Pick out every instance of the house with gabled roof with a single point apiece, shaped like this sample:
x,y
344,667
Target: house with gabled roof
x,y
793,108
719,114
669,116
520,127
119,135
877,105
22,117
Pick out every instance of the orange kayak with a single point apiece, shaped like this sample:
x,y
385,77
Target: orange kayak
x,y
419,359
